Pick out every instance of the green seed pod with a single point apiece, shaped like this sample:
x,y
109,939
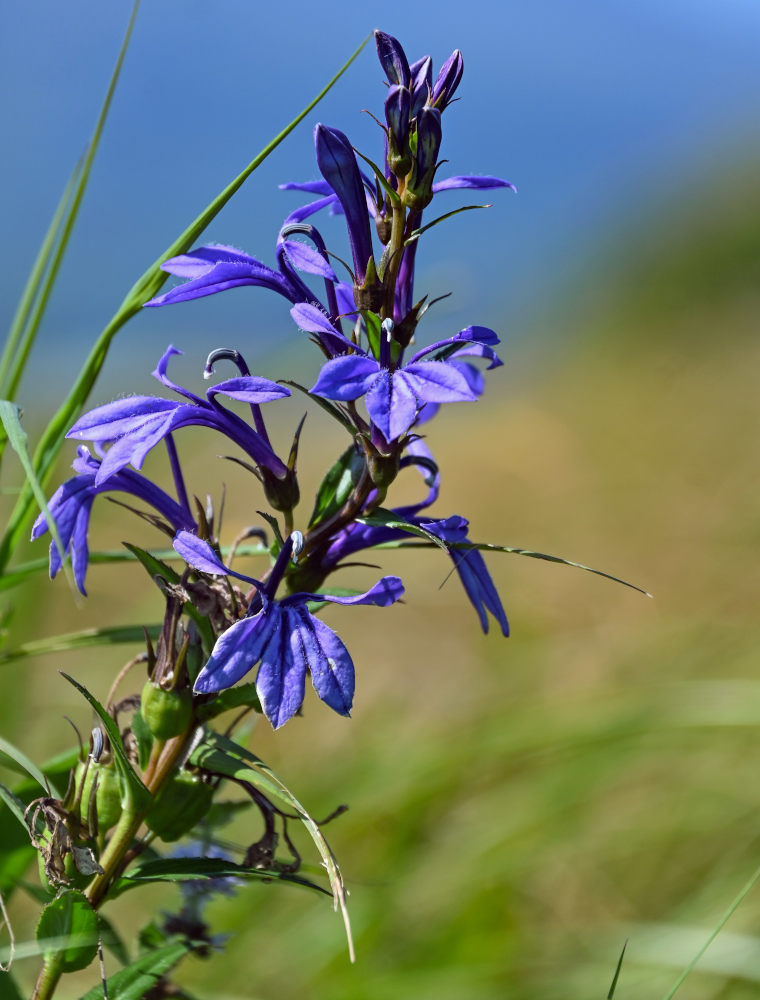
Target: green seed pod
x,y
166,713
180,804
107,794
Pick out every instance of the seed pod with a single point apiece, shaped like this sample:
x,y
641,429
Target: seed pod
x,y
180,804
107,795
166,713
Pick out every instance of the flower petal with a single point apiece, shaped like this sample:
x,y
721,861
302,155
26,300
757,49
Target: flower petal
x,y
477,182
305,258
347,377
392,404
385,592
111,421
223,275
438,382
199,554
281,679
199,262
249,389
317,647
238,650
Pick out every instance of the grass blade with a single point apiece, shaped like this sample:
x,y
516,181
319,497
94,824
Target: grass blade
x,y
81,640
144,288
10,419
613,984
748,886
22,343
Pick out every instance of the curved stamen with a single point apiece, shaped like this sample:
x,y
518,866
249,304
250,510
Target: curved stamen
x,y
291,549
305,229
233,355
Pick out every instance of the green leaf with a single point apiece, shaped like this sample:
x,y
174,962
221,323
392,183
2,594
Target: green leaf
x,y
393,197
8,988
17,761
68,927
613,984
139,794
236,697
337,485
10,416
382,518
26,319
487,547
157,567
81,640
144,288
222,756
136,980
415,235
202,869
15,805
374,330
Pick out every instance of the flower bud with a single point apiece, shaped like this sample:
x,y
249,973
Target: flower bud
x,y
421,82
166,713
447,80
180,804
338,166
392,58
282,494
397,109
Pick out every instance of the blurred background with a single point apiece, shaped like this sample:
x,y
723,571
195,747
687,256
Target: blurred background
x,y
519,808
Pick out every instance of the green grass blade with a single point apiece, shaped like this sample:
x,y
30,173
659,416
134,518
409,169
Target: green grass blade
x,y
10,419
81,640
27,766
748,886
34,566
33,283
35,318
613,984
144,288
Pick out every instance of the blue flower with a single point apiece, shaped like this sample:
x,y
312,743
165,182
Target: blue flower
x,y
469,563
396,392
283,636
71,504
136,424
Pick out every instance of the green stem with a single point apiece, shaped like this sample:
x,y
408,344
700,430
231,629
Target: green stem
x,y
48,978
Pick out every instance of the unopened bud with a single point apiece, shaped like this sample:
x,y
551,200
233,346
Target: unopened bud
x,y
166,713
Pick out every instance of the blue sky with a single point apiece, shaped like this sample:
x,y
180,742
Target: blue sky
x,y
596,110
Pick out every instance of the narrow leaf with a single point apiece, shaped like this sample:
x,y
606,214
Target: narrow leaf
x,y
235,697
337,485
15,805
25,766
217,753
140,794
382,518
202,869
10,415
136,980
81,640
415,235
613,984
45,288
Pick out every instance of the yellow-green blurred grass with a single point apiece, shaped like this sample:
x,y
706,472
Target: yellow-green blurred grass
x,y
519,808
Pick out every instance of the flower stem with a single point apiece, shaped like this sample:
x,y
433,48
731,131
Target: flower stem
x,y
48,978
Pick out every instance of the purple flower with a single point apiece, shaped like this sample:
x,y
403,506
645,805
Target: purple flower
x,y
447,80
469,563
338,166
395,393
135,424
284,637
71,504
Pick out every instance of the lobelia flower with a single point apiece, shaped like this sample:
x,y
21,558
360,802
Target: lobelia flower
x,y
71,504
283,636
395,392
136,424
469,563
